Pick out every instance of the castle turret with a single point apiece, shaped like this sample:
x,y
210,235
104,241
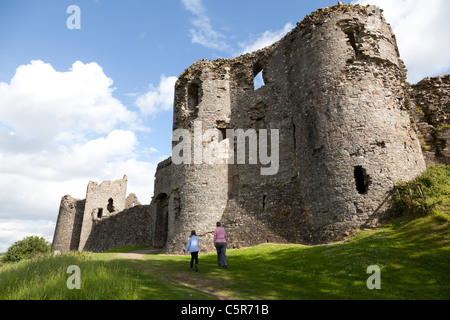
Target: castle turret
x,y
354,140
199,188
334,89
68,226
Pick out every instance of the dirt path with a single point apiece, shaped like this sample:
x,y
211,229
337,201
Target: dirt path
x,y
191,280
136,254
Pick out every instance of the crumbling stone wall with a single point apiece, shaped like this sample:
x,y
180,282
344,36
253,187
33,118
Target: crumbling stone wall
x,y
429,107
335,89
163,197
68,225
102,201
76,218
131,201
131,226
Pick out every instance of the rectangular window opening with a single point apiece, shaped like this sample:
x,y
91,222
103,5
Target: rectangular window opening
x,y
258,80
193,96
362,180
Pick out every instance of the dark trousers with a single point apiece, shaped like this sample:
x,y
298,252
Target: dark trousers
x,y
221,248
194,256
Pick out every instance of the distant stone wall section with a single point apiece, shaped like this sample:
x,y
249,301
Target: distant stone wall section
x,y
165,200
102,201
130,227
429,107
100,220
68,225
131,201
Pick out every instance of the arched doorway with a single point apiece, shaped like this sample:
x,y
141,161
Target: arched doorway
x,y
162,220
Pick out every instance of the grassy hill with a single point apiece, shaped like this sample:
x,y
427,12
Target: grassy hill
x,y
412,253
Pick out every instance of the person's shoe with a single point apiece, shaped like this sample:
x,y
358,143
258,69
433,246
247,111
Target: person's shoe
x,y
225,267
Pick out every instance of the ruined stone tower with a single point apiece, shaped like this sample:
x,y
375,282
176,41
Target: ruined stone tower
x,y
334,87
76,217
334,90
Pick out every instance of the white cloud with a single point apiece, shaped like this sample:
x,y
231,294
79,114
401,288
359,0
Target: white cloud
x,y
41,103
422,30
194,6
158,99
265,39
203,32
58,131
14,230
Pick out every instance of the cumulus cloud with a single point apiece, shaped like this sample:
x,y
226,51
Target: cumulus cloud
x,y
421,28
41,103
265,39
203,32
158,99
58,131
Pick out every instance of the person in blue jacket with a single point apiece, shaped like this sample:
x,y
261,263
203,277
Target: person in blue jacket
x,y
192,248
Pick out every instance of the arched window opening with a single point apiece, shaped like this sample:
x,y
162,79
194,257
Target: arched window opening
x,y
110,206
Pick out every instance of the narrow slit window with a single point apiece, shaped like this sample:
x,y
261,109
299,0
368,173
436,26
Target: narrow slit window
x,y
193,96
361,180
295,139
258,80
100,213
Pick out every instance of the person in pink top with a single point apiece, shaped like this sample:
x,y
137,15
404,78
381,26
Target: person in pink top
x,y
220,242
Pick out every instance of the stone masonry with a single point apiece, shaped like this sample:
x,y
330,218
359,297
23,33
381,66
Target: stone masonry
x,y
350,128
77,218
429,106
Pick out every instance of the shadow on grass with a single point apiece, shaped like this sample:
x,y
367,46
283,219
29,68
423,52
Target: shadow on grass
x,y
411,253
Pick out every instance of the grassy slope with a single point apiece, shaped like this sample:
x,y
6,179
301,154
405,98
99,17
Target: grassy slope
x,y
412,253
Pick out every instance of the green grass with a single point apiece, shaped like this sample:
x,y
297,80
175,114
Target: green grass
x,y
125,249
45,276
412,252
436,186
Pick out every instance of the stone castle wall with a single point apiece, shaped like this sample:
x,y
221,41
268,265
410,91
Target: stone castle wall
x,y
68,225
131,226
350,127
429,106
335,90
77,218
101,201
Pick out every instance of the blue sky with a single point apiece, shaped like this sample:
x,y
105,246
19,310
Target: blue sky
x,y
96,103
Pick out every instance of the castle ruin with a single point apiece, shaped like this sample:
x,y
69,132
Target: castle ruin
x,y
350,128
